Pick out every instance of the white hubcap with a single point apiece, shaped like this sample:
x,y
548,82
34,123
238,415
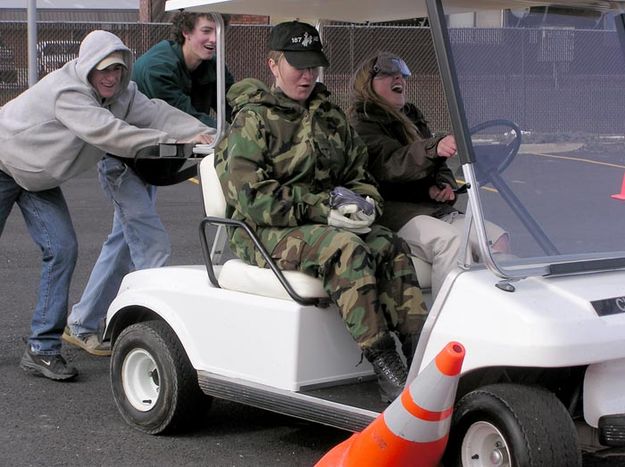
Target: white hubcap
x,y
484,445
140,380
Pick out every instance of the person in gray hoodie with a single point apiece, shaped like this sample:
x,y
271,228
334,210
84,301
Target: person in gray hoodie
x,y
55,130
182,72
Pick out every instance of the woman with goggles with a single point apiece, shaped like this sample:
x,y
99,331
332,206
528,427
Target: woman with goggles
x,y
410,165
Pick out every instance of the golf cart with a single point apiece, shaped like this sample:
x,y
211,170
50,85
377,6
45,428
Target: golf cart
x,y
536,102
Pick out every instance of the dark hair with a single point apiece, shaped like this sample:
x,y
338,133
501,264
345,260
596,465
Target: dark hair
x,y
184,21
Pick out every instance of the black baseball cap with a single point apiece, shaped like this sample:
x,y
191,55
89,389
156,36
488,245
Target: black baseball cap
x,y
300,43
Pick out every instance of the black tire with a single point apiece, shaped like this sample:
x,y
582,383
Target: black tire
x,y
154,385
512,425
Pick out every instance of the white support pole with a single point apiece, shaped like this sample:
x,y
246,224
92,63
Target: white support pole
x,y
32,42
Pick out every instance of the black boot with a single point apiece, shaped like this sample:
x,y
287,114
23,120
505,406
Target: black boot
x,y
408,348
388,367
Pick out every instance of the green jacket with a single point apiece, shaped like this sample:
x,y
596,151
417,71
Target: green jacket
x,y
280,160
405,171
162,73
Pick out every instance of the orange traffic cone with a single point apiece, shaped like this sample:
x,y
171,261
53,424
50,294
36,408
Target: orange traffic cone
x,y
413,430
620,195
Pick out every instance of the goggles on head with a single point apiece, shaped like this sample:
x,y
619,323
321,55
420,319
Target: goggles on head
x,y
390,65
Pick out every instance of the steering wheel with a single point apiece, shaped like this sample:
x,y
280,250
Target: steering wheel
x,y
494,158
491,159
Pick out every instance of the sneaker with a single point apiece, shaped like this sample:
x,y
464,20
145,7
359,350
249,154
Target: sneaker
x,y
51,366
88,342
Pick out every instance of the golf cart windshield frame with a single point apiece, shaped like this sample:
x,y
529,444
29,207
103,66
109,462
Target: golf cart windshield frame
x,y
554,262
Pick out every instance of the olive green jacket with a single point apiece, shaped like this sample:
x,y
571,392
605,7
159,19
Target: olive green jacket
x,y
404,170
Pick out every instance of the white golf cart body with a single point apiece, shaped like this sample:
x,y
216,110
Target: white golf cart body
x,y
551,314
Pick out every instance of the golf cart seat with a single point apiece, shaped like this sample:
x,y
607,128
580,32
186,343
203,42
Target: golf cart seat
x,y
237,275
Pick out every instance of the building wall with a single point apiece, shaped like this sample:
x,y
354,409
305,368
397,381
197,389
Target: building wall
x,y
71,15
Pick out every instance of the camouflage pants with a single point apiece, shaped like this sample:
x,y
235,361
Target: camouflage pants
x,y
370,277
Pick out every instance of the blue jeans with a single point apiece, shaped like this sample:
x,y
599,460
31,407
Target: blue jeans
x,y
50,226
137,240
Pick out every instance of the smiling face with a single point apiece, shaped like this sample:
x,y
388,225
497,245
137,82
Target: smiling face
x,y
296,83
199,43
391,89
107,82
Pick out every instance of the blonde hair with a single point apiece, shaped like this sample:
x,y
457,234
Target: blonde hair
x,y
363,95
275,55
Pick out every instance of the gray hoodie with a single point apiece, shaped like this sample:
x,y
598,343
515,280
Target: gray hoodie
x,y
60,127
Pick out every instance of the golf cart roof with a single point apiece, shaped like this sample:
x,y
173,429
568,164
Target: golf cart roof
x,y
359,10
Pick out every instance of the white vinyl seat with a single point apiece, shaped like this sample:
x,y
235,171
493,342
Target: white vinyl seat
x,y
236,274
242,277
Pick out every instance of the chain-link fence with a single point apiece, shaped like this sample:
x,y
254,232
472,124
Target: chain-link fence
x,y
545,80
246,54
541,81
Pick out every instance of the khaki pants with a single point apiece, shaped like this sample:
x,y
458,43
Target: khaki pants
x,y
438,242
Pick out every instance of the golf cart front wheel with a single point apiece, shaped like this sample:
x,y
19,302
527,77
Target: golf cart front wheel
x,y
154,385
511,425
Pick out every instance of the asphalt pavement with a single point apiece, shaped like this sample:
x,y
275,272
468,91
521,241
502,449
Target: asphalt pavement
x,y
76,423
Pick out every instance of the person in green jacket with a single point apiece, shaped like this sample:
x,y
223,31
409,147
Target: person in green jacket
x,y
410,164
182,72
292,168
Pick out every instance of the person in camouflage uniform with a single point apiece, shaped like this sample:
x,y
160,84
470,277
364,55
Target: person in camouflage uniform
x,y
287,151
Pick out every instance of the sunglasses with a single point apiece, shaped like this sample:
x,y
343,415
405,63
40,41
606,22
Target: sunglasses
x,y
389,65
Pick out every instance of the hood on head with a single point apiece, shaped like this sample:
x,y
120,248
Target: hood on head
x,y
96,46
249,91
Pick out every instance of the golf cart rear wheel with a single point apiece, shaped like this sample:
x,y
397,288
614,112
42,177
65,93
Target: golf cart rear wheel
x,y
511,425
154,385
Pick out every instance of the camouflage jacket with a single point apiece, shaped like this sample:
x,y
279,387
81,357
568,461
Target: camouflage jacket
x,y
280,160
